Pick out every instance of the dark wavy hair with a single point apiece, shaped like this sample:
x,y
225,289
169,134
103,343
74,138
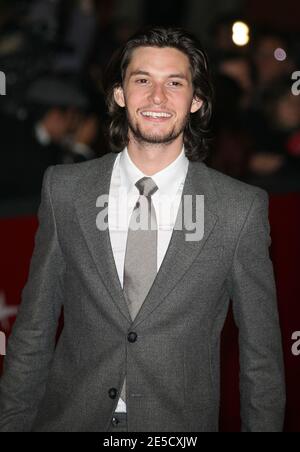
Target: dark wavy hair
x,y
197,131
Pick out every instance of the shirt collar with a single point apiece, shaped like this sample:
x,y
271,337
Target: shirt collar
x,y
168,180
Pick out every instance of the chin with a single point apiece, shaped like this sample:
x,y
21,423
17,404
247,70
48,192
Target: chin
x,y
153,135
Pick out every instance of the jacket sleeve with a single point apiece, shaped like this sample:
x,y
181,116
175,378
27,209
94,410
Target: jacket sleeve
x,y
32,342
252,289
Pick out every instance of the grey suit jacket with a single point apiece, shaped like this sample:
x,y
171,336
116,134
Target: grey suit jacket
x,y
173,376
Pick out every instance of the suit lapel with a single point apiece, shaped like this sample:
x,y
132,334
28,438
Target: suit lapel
x,y
181,253
95,184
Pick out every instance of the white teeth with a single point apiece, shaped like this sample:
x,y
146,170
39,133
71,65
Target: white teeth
x,y
153,114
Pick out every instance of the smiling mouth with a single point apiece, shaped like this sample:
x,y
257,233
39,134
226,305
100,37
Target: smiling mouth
x,y
155,115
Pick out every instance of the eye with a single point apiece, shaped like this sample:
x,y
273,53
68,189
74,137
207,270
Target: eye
x,y
141,81
175,83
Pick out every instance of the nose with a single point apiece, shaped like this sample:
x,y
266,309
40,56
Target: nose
x,y
158,95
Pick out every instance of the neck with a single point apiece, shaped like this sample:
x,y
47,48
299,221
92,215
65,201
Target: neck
x,y
152,158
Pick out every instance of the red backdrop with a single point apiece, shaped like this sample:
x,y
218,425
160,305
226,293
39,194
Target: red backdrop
x,y
16,245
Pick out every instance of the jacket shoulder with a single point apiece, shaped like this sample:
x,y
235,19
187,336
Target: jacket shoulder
x,y
229,188
237,203
74,171
67,180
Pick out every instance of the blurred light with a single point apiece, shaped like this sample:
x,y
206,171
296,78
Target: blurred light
x,y
241,33
280,54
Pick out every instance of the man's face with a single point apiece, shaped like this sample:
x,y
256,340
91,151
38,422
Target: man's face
x,y
158,95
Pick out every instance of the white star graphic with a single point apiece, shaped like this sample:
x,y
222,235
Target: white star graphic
x,y
6,312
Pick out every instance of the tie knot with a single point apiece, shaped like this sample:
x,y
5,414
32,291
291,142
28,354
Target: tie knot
x,y
146,186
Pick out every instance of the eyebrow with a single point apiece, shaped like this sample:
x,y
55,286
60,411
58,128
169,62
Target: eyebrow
x,y
179,75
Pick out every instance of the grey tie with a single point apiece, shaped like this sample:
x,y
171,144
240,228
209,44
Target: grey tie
x,y
140,267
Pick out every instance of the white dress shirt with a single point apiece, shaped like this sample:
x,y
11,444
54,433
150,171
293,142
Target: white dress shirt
x,y
123,195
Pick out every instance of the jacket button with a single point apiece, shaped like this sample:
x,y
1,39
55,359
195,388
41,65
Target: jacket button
x,y
132,337
114,421
112,393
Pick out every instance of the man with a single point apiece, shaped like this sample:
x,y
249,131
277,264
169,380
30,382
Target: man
x,y
144,306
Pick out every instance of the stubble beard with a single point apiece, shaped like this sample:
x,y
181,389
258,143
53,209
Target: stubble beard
x,y
145,138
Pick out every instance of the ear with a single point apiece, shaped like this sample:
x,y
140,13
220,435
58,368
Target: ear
x,y
119,96
196,104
